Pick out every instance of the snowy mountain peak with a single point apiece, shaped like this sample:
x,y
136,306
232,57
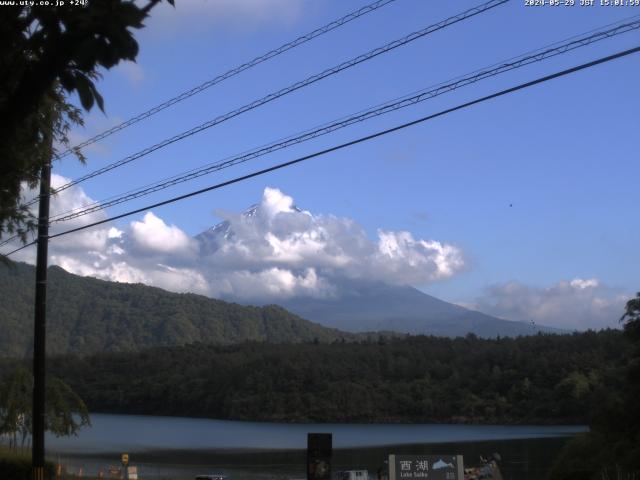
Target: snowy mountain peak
x,y
273,202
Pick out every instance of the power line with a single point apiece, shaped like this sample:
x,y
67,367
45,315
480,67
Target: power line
x,y
507,91
620,27
231,73
403,102
291,88
9,240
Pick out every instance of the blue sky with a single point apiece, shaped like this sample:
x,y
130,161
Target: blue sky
x,y
535,190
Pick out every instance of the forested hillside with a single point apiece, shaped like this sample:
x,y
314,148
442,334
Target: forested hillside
x,y
86,315
538,379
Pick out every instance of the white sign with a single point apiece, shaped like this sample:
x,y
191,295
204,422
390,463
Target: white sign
x,y
426,467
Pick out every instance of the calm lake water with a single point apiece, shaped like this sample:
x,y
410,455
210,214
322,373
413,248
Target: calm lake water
x,y
170,447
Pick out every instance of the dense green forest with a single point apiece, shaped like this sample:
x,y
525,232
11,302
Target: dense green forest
x,y
86,315
220,360
611,449
537,379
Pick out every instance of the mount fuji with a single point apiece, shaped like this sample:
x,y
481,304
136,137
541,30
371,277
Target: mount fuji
x,y
360,305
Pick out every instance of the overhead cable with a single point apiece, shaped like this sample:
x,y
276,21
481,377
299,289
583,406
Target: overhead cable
x,y
9,240
403,102
291,88
501,93
231,73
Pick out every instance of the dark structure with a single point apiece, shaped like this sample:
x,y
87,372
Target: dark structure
x,y
319,449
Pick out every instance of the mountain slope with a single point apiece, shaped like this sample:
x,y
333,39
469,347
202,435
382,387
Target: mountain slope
x,y
86,315
359,305
368,306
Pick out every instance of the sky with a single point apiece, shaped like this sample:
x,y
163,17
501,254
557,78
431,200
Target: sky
x,y
522,207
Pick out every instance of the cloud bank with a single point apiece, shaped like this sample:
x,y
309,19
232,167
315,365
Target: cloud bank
x,y
577,304
272,251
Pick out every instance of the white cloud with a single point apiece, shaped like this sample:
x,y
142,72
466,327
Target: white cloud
x,y
269,284
112,270
577,304
273,251
233,15
275,202
67,201
153,234
582,284
178,279
114,233
406,260
276,237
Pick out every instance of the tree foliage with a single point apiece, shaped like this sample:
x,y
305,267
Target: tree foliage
x,y
86,315
15,400
22,157
45,52
631,319
538,379
65,411
612,448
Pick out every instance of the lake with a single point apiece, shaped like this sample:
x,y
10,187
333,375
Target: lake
x,y
173,447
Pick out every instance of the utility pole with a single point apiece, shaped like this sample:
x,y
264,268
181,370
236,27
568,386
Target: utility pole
x,y
40,326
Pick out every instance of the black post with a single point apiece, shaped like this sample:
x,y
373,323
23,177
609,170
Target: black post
x,y
319,452
40,324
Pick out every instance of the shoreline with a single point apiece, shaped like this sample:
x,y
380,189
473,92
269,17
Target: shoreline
x,y
188,455
144,434
457,420
523,459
